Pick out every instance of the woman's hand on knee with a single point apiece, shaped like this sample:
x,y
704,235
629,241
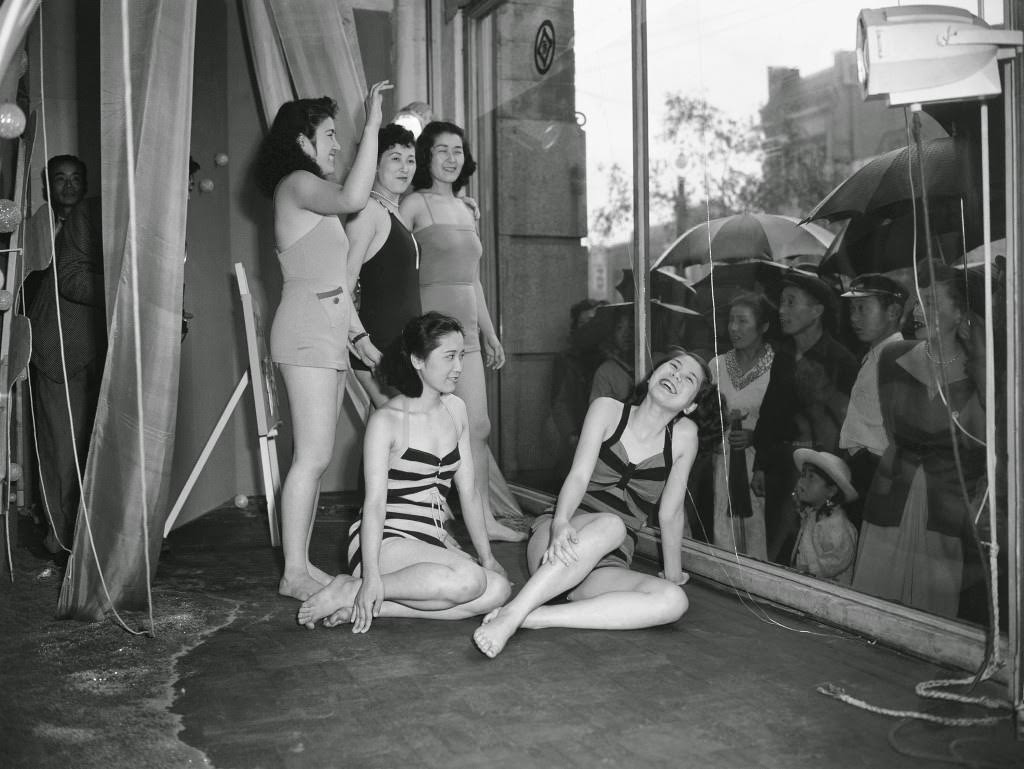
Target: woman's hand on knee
x,y
562,548
368,603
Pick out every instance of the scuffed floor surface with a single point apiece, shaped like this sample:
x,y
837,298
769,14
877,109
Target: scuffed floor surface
x,y
250,689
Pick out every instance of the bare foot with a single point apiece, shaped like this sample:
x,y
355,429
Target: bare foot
x,y
341,593
494,632
499,532
319,575
301,586
340,617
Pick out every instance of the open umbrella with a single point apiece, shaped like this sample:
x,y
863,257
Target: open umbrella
x,y
885,182
746,236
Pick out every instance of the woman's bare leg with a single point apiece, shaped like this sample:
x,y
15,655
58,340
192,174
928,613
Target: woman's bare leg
x,y
312,393
472,388
599,534
615,598
420,580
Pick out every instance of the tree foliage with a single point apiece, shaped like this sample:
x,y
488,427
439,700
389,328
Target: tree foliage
x,y
706,162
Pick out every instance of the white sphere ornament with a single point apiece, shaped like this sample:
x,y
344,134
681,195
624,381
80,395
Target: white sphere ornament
x,y
221,159
206,185
241,501
12,121
6,300
10,216
15,475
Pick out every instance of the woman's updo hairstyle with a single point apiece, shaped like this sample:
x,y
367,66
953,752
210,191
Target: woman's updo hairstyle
x,y
709,402
421,336
424,148
280,153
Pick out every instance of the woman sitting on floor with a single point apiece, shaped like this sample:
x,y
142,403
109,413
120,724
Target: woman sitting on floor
x,y
403,561
630,455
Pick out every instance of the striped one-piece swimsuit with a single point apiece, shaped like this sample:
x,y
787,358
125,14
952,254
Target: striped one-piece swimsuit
x,y
418,482
627,489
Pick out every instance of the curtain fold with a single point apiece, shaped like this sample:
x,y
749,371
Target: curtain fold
x,y
272,80
319,42
108,567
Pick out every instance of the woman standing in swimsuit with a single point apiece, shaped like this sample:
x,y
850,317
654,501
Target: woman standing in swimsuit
x,y
445,229
315,321
633,459
383,255
403,561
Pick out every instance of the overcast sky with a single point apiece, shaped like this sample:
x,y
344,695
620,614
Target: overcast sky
x,y
720,49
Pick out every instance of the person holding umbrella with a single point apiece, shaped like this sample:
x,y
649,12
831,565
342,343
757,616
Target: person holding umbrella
x,y
742,376
805,403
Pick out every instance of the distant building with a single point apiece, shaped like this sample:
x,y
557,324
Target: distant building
x,y
824,116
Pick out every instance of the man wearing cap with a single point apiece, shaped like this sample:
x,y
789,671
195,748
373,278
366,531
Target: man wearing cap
x,y
805,403
876,305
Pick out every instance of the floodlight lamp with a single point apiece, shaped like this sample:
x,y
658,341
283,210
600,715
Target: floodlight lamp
x,y
917,54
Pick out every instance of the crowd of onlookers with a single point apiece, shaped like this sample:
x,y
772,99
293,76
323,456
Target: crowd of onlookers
x,y
851,444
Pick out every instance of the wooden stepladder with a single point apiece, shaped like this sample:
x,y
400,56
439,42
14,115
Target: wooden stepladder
x,y
264,390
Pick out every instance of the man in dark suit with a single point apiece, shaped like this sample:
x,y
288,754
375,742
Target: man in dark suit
x,y
72,290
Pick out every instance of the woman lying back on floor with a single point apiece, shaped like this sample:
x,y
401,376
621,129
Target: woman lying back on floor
x,y
629,456
403,561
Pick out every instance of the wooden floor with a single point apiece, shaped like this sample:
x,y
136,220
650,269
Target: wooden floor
x,y
731,685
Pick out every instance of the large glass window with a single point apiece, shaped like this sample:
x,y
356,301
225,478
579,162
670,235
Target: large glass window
x,y
846,330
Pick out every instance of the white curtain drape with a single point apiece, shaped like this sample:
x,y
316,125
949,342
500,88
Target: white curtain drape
x,y
126,483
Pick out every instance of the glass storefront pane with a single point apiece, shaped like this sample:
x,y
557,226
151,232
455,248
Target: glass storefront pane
x,y
850,350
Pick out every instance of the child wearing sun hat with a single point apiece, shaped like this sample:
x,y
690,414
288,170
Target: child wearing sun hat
x,y
826,546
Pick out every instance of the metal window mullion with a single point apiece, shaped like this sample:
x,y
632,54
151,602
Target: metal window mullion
x,y
641,190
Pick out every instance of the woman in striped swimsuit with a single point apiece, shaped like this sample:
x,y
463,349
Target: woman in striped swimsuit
x,y
404,563
633,459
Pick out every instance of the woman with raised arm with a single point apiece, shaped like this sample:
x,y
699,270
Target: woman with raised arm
x,y
383,257
632,459
403,561
315,322
445,228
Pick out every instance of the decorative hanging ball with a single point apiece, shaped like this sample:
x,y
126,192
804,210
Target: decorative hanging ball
x,y
221,159
15,475
10,216
6,300
12,121
241,501
206,185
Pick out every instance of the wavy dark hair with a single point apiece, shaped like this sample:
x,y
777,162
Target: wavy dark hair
x,y
421,336
422,180
280,153
710,404
393,135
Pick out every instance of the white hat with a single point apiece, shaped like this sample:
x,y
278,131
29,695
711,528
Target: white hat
x,y
832,466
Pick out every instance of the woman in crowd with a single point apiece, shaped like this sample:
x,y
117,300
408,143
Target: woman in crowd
x,y
383,256
403,561
315,321
450,248
916,517
633,459
742,376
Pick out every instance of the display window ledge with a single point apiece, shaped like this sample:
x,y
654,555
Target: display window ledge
x,y
935,638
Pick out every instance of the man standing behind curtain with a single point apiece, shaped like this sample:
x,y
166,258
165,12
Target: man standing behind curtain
x,y
75,284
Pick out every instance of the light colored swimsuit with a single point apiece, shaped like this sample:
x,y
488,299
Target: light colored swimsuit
x,y
311,323
449,271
